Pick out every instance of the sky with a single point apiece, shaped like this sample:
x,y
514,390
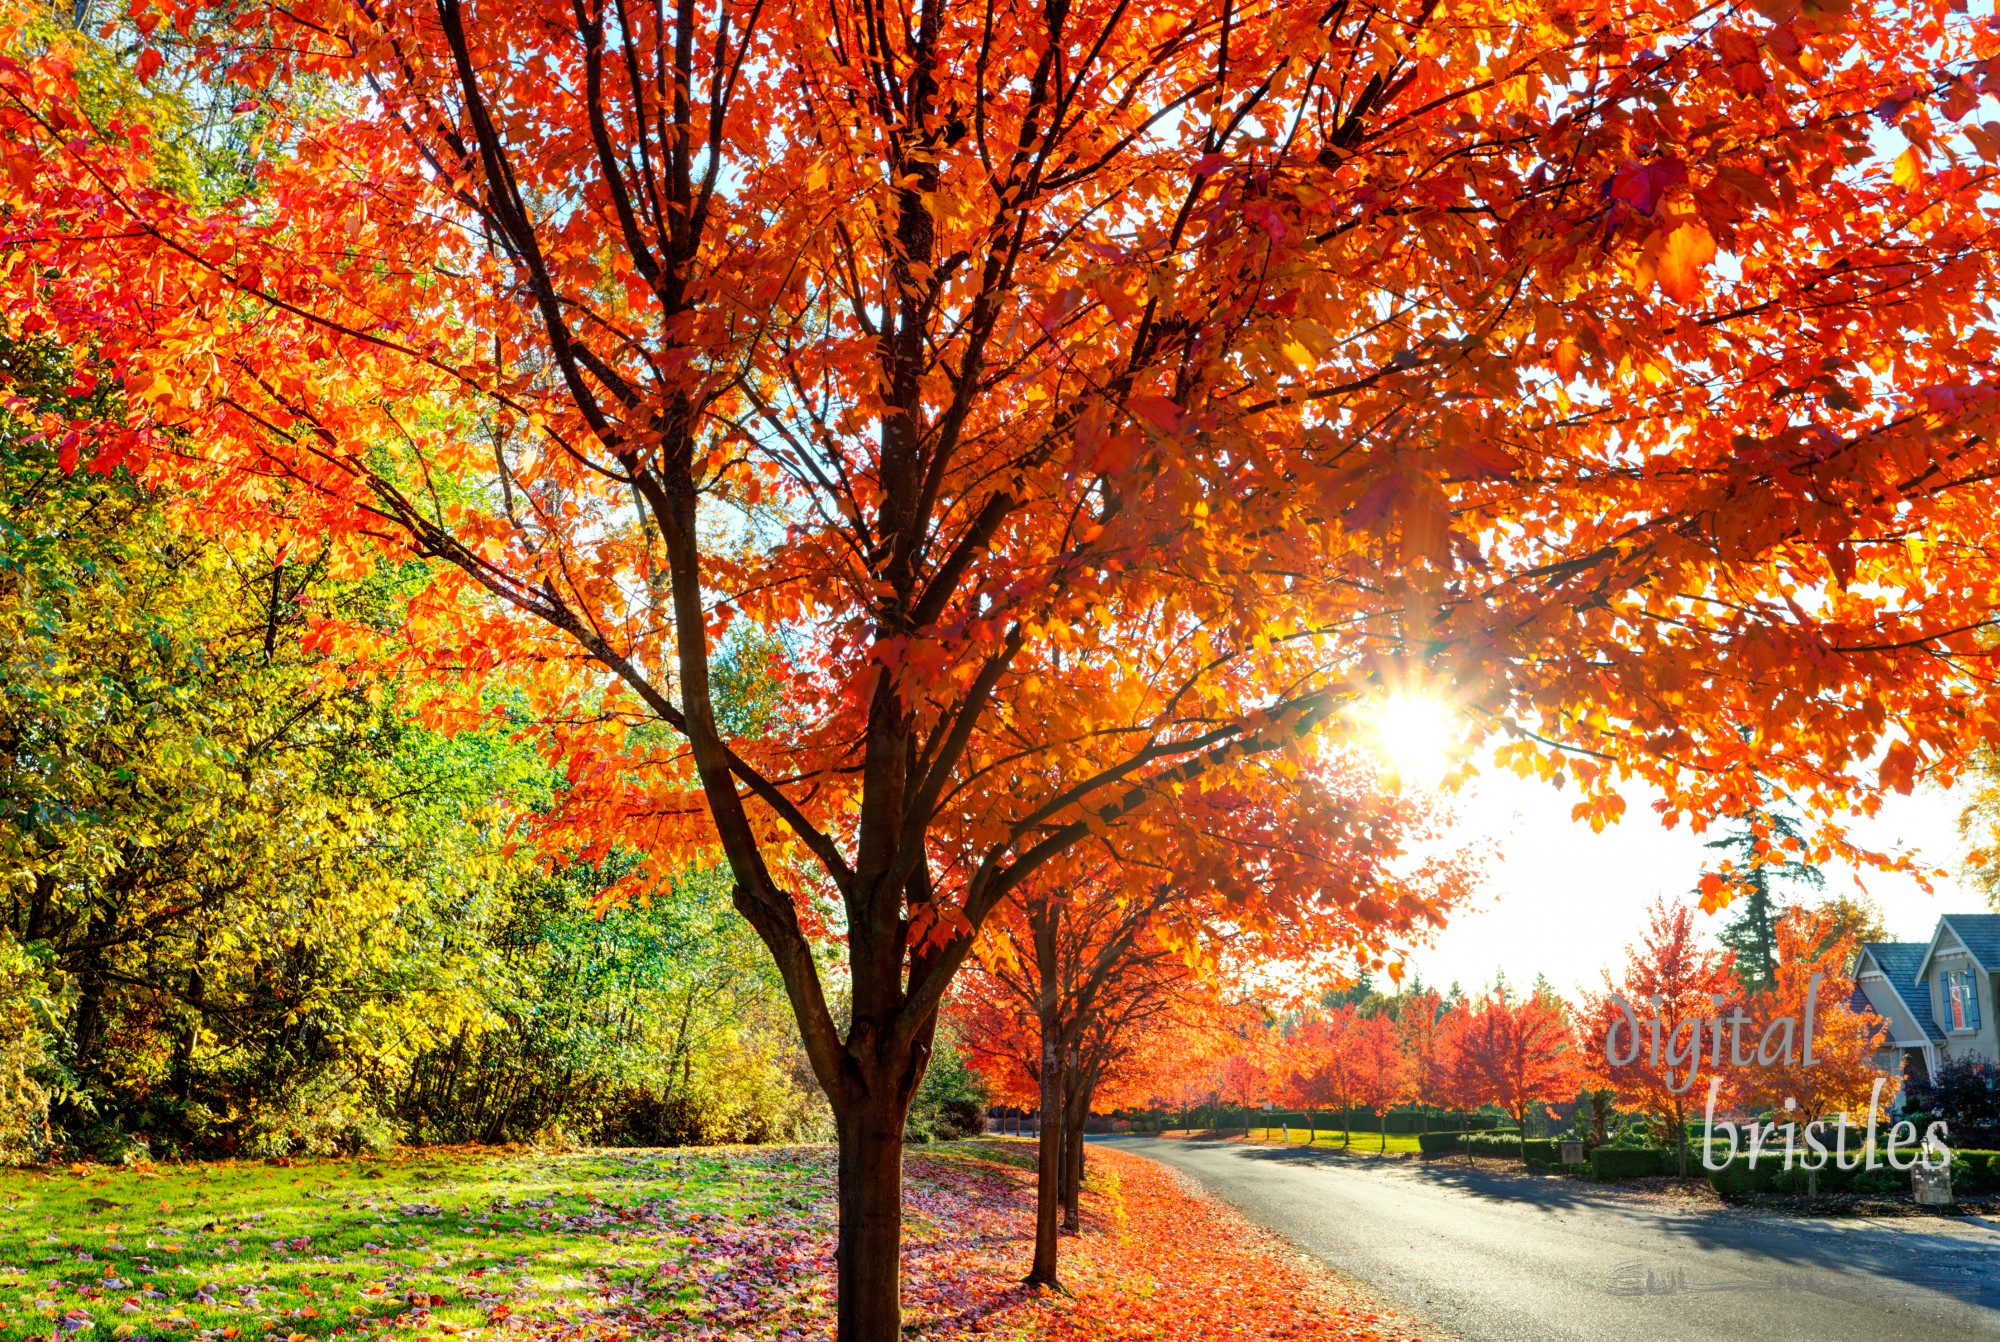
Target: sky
x,y
1564,902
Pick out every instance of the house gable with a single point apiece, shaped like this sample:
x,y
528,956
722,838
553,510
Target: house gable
x,y
1979,933
1897,963
1967,945
1946,941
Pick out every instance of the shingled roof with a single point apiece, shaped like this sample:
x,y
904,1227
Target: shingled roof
x,y
1900,963
1981,934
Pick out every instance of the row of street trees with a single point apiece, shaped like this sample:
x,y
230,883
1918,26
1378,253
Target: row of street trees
x,y
1523,1053
1099,405
1502,1048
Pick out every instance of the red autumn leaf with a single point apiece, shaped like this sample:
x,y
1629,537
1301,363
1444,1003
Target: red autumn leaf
x,y
1157,410
1644,185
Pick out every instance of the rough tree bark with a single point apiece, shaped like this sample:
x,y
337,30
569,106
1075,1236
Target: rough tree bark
x,y
1048,1162
1077,1111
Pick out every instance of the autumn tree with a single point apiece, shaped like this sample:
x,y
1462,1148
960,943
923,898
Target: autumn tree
x,y
1064,988
1030,367
1244,1079
1670,977
1327,1061
1184,1070
1381,1071
237,866
1099,945
1303,1078
1523,1051
1840,1075
1461,1082
1420,1025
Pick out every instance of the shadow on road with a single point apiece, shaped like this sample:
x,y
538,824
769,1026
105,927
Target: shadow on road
x,y
1847,1258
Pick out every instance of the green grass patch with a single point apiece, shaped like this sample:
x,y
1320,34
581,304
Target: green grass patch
x,y
427,1243
1020,1152
1360,1139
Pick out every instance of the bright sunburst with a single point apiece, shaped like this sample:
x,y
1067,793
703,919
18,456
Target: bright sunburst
x,y
1414,733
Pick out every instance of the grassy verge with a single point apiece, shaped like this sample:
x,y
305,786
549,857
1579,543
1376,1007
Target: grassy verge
x,y
625,1246
453,1242
1360,1140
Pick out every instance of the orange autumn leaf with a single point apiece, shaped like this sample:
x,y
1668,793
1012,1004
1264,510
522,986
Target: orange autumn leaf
x,y
1684,262
1900,766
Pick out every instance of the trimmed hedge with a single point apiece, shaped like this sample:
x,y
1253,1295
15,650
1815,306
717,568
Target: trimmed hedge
x,y
1503,1142
1631,1162
1771,1176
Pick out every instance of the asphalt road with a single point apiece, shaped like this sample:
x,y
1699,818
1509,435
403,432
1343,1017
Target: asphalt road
x,y
1499,1259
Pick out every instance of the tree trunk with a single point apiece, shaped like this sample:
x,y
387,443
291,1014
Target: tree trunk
x,y
1049,1155
869,1253
1312,1126
1072,1181
1383,1118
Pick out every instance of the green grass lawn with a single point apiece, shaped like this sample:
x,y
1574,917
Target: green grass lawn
x,y
1362,1139
427,1244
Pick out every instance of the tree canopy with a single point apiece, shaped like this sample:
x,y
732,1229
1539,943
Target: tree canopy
x,y
1094,404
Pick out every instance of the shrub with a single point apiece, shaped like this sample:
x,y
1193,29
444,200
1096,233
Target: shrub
x,y
1500,1142
1630,1162
1771,1176
1975,1171
1738,1179
1542,1150
1876,1181
24,1102
1965,1093
950,1102
323,1118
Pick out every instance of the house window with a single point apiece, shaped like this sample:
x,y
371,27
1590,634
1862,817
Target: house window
x,y
1961,1000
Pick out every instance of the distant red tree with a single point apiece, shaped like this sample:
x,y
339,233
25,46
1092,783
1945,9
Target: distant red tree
x,y
1328,1063
1421,1027
1524,1052
1245,1079
1303,1076
1381,1073
1459,1082
1842,1077
1672,977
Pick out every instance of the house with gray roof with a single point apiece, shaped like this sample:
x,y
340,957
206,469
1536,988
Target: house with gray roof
x,y
1938,995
